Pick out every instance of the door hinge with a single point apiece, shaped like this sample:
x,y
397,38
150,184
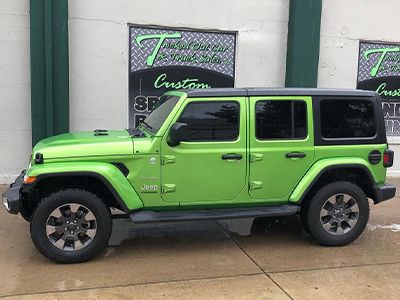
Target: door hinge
x,y
256,157
168,159
168,188
255,185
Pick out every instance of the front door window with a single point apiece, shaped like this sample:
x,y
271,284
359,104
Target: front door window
x,y
211,121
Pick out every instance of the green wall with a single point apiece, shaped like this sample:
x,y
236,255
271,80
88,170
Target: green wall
x,y
49,68
303,43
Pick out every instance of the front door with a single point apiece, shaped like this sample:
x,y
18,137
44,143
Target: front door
x,y
210,165
281,145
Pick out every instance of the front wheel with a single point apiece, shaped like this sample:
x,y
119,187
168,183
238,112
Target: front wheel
x,y
71,226
337,214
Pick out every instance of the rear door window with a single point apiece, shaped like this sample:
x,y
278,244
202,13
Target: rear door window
x,y
281,119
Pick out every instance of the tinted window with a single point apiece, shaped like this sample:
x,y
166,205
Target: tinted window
x,y
211,121
281,119
347,119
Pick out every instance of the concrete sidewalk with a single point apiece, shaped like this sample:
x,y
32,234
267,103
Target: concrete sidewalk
x,y
243,259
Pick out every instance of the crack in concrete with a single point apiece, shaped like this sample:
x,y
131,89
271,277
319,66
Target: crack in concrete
x,y
97,20
255,263
131,284
338,267
14,15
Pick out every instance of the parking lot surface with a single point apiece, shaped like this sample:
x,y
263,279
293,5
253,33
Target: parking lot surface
x,y
238,259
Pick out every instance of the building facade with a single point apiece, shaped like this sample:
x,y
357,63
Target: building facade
x,y
99,55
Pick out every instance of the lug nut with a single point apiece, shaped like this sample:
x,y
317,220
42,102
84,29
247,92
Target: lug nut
x,y
74,221
72,232
65,228
67,222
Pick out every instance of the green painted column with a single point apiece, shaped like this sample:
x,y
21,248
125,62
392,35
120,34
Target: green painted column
x,y
49,68
303,43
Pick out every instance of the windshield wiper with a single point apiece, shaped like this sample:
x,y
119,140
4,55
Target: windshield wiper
x,y
136,132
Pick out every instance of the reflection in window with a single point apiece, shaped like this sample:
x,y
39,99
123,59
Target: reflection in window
x,y
347,119
211,121
281,119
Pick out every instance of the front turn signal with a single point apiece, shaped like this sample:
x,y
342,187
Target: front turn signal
x,y
29,179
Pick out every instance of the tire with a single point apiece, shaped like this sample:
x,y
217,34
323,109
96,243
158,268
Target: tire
x,y
303,218
75,207
337,203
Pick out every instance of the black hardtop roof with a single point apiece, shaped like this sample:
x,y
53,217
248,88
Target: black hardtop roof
x,y
216,92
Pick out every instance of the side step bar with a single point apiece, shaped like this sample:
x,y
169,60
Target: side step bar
x,y
149,216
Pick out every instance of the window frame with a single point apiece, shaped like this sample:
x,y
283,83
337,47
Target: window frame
x,y
292,117
319,140
155,132
213,101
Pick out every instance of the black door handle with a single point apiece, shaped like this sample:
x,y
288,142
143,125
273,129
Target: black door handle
x,y
232,156
295,155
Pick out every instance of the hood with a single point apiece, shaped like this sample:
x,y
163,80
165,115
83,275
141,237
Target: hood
x,y
87,143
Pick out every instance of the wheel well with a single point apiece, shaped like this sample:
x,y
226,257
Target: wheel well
x,y
49,185
355,175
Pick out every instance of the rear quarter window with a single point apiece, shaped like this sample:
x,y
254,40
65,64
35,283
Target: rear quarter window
x,y
344,119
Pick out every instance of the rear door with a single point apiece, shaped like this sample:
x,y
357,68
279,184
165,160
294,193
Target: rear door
x,y
281,145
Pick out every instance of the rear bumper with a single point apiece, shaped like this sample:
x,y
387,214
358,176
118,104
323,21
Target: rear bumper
x,y
11,198
385,192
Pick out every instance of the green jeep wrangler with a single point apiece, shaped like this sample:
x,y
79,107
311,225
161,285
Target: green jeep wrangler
x,y
212,154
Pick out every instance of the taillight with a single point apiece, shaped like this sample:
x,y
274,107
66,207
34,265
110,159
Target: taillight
x,y
388,156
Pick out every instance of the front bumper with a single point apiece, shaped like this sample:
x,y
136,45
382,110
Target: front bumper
x,y
11,198
385,192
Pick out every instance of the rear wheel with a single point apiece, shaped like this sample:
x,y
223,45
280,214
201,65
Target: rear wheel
x,y
337,214
71,226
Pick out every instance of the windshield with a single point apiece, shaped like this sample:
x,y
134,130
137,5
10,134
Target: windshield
x,y
161,110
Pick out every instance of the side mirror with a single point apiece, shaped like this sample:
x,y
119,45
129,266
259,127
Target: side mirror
x,y
177,133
